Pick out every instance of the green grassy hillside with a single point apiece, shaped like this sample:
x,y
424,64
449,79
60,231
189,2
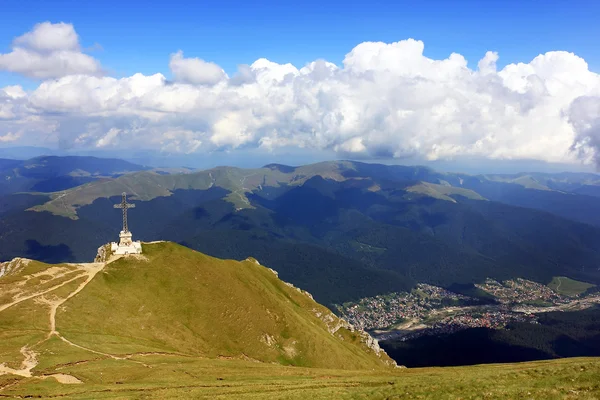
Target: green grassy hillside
x,y
158,376
181,301
178,324
171,300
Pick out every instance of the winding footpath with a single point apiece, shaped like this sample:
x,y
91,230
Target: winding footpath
x,y
87,271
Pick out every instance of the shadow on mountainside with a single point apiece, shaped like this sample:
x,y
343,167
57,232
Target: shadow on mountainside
x,y
49,254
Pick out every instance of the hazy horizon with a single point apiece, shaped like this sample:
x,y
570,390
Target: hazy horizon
x,y
252,160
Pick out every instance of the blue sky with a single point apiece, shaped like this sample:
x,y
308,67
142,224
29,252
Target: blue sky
x,y
390,100
138,36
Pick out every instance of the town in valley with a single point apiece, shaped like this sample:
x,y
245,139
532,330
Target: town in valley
x,y
432,310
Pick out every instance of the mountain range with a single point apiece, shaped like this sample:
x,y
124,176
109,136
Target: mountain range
x,y
341,230
51,173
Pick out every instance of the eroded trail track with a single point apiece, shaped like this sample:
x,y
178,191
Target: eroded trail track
x,y
21,290
27,365
22,298
89,271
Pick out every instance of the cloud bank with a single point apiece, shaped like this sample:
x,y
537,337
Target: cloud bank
x,y
385,100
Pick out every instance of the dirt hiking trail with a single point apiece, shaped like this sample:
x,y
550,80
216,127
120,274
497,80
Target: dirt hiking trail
x,y
21,293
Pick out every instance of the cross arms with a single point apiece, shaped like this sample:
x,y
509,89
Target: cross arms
x,y
126,205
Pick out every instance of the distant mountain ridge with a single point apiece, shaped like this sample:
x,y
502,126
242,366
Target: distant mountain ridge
x,y
53,173
564,194
341,230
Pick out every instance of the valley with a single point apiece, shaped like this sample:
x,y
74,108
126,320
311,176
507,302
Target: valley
x,y
432,311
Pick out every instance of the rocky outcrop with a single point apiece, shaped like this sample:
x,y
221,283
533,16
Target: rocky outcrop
x,y
255,261
304,292
13,266
103,253
334,324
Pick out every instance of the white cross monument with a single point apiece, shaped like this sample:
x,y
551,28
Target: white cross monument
x,y
126,245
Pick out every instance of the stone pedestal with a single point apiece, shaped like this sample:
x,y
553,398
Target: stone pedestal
x,y
126,245
125,238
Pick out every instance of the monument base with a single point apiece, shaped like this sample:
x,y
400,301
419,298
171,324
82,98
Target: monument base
x,y
126,245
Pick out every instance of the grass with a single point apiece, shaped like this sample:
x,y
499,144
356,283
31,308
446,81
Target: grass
x,y
27,323
184,302
186,325
568,287
167,377
177,301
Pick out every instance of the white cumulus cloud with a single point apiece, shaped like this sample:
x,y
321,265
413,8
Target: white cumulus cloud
x,y
49,51
385,100
195,70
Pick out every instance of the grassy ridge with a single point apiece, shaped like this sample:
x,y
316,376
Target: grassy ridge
x,y
185,302
147,185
